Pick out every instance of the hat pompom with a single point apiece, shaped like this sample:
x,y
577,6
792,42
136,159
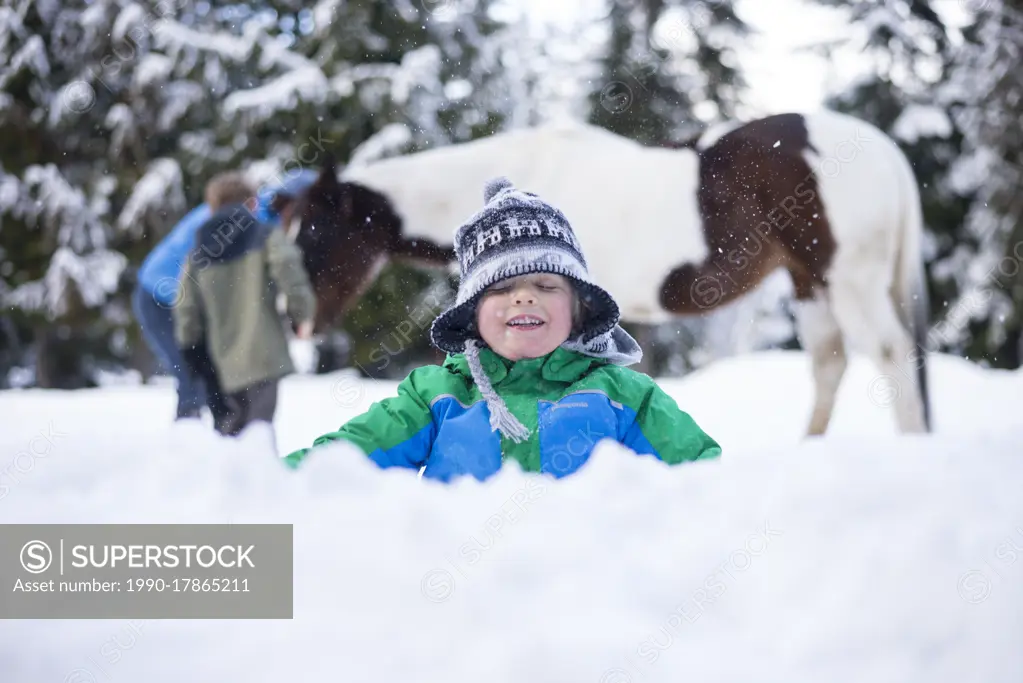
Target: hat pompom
x,y
494,186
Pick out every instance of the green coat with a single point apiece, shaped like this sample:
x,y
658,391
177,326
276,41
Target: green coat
x,y
568,400
228,294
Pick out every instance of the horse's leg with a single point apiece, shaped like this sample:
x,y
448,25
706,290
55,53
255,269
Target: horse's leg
x,y
864,307
821,336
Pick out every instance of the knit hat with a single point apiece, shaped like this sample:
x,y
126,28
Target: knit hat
x,y
517,233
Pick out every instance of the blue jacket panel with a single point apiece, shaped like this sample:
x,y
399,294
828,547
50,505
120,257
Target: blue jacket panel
x,y
460,441
159,273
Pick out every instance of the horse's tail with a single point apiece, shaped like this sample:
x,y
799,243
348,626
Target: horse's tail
x,y
909,289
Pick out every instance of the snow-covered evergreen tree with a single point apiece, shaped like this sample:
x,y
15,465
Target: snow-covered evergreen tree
x,y
668,68
984,92
907,51
950,93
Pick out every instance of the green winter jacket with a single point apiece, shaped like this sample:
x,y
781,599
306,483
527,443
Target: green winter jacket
x,y
568,400
228,294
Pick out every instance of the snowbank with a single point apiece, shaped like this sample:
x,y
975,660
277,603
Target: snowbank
x,y
859,557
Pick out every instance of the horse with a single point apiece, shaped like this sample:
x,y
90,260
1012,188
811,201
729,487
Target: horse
x,y
674,230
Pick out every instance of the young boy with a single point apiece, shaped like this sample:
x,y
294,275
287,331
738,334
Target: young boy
x,y
536,366
226,322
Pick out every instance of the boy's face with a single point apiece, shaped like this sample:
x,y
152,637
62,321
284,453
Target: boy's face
x,y
527,316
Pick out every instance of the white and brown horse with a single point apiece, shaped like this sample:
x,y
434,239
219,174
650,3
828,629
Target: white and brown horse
x,y
674,230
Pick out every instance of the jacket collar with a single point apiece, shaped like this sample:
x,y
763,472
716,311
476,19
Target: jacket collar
x,y
561,365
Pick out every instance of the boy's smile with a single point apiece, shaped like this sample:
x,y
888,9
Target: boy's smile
x,y
525,322
526,316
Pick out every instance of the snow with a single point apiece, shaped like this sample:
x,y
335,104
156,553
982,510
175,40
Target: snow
x,y
273,53
121,123
201,144
343,83
861,556
458,89
918,121
160,188
95,276
32,56
46,193
178,97
323,16
419,68
126,20
970,171
405,9
11,25
152,69
177,36
389,140
46,9
172,34
886,18
282,93
10,192
104,188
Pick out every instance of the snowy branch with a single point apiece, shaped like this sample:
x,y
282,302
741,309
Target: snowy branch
x,y
389,141
31,56
94,275
917,121
282,93
172,34
159,191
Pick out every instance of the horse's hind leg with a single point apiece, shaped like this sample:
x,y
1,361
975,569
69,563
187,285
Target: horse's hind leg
x,y
864,307
821,337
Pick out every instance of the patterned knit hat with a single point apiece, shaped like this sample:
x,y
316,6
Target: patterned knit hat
x,y
517,233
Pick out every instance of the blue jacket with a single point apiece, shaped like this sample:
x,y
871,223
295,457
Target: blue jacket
x,y
160,271
568,400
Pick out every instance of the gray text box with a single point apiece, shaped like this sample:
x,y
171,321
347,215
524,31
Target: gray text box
x,y
146,571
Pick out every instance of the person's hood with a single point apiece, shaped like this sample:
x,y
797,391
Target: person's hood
x,y
230,233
